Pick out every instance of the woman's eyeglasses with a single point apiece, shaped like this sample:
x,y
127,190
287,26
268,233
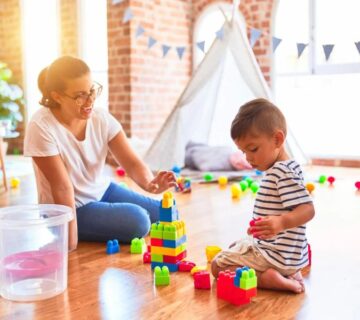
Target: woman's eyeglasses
x,y
83,98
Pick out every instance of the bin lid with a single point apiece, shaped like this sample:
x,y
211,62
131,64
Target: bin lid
x,y
25,216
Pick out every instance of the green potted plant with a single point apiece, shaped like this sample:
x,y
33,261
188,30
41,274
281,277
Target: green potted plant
x,y
11,99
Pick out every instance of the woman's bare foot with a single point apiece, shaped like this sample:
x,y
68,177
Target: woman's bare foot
x,y
272,279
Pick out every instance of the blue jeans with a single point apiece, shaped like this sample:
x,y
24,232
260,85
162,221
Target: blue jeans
x,y
120,214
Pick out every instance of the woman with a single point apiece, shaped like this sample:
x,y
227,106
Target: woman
x,y
68,141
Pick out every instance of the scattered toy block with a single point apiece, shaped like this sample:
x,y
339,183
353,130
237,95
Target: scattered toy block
x,y
112,246
198,269
202,280
211,252
162,276
186,266
138,246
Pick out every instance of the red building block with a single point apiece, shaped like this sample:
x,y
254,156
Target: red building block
x,y
176,259
147,257
309,255
186,266
202,280
156,242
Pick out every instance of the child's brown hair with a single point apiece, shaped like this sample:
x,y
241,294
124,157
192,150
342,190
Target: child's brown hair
x,y
257,116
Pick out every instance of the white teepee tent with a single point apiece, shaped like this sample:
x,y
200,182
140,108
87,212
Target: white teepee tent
x,y
227,77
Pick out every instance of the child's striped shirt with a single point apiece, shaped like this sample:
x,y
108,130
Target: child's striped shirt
x,y
281,190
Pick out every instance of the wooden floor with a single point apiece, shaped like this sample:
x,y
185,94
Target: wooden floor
x,y
121,287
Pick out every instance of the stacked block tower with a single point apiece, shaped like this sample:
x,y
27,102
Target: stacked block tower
x,y
168,237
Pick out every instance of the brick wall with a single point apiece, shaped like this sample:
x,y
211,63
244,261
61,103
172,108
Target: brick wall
x,y
68,27
119,64
144,86
10,51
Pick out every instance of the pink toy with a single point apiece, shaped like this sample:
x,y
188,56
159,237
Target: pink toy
x,y
32,264
252,223
331,180
186,266
120,172
202,280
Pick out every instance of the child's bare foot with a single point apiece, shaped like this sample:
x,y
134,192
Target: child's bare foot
x,y
272,279
298,277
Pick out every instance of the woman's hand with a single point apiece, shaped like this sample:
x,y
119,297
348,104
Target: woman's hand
x,y
267,227
163,181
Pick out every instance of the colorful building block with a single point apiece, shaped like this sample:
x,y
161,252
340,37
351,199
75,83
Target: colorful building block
x,y
211,252
162,276
138,246
202,280
186,266
112,246
175,259
157,230
183,185
174,243
229,285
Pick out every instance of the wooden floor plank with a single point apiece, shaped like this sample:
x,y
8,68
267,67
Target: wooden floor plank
x,y
121,287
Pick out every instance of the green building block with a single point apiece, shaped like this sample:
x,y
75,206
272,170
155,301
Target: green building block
x,y
248,279
322,179
157,257
169,232
249,181
138,245
157,230
162,276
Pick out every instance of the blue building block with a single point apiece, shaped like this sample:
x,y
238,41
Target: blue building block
x,y
174,243
172,267
112,246
169,214
176,170
239,271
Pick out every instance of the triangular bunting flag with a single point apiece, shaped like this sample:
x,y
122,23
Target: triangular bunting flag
x,y
254,36
201,45
139,31
180,51
358,45
275,43
220,34
128,15
328,48
165,50
151,42
300,48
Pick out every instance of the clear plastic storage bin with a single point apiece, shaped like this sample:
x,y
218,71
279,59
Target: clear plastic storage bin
x,y
33,251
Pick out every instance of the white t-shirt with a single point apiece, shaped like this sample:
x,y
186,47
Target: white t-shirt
x,y
84,160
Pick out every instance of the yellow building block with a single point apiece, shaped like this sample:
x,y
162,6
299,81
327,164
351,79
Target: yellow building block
x,y
197,269
168,200
168,251
211,252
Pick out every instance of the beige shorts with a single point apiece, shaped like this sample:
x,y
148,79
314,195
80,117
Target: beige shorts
x,y
244,253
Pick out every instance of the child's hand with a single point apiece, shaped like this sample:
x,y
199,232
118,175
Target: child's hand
x,y
163,181
267,227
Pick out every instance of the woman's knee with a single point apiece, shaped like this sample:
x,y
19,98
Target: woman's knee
x,y
140,222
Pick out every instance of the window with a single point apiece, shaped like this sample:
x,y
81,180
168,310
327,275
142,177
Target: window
x,y
41,45
93,43
319,97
